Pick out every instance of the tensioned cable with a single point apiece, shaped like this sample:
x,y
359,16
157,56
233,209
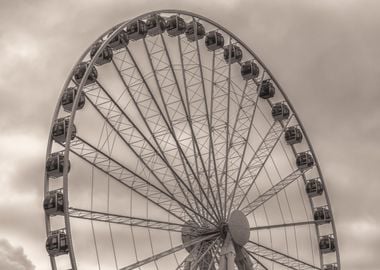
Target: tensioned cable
x,y
303,202
110,150
264,208
270,180
286,197
291,165
92,222
92,204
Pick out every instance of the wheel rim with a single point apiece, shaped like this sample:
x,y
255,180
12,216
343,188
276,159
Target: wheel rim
x,y
203,204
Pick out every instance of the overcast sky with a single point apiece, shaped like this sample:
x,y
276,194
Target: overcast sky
x,y
324,53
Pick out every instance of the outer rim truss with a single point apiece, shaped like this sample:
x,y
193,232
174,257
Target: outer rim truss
x,y
113,33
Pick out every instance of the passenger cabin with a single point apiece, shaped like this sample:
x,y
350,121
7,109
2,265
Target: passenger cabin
x,y
104,57
136,30
214,40
314,187
322,214
155,25
304,161
331,266
60,130
57,244
280,111
55,165
249,70
119,41
327,244
68,98
293,135
232,54
175,26
195,31
81,70
53,203
267,89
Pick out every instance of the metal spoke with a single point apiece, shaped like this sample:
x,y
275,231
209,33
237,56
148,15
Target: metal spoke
x,y
160,77
155,122
208,177
196,256
125,220
134,138
278,257
168,252
244,139
244,262
129,178
259,265
270,193
173,136
203,250
227,125
191,121
248,177
211,145
168,126
293,224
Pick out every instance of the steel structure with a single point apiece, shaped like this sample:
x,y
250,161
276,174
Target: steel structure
x,y
167,149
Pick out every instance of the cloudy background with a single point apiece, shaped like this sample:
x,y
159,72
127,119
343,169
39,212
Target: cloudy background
x,y
324,53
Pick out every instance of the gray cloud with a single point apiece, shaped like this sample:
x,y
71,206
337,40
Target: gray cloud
x,y
13,258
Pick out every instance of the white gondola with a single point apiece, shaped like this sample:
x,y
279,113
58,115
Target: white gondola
x,y
60,130
280,111
68,98
53,203
136,30
322,215
104,57
214,40
55,165
293,135
81,70
314,187
331,266
175,26
232,54
304,160
190,31
57,244
327,244
155,25
119,41
249,70
266,89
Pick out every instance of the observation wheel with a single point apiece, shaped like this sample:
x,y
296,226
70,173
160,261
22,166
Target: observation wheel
x,y
172,146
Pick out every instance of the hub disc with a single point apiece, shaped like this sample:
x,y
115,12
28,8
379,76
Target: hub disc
x,y
238,227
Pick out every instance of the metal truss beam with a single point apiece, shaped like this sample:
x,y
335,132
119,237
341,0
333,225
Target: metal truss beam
x,y
168,252
129,178
125,220
146,153
278,257
257,264
267,195
283,225
247,177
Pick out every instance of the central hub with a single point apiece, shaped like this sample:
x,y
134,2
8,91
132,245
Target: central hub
x,y
238,226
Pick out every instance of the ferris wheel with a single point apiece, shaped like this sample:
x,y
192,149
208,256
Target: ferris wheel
x,y
172,146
